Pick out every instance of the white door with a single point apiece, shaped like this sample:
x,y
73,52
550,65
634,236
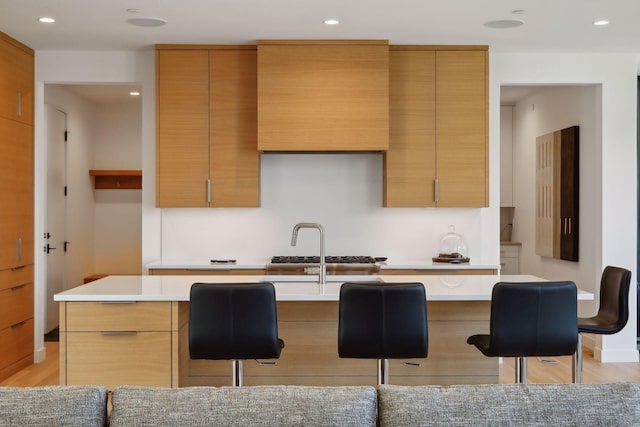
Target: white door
x,y
55,217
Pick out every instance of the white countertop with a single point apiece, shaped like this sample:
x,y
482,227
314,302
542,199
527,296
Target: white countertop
x,y
288,288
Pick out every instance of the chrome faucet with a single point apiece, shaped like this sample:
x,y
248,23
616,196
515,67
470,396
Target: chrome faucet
x,y
294,237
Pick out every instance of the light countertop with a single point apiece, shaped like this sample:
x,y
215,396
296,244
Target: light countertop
x,y
288,288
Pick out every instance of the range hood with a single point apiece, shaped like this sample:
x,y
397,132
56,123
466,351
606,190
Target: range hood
x,y
323,95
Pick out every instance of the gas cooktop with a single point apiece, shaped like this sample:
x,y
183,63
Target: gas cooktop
x,y
293,259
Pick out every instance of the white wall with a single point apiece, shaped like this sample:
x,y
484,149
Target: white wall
x,y
613,175
118,213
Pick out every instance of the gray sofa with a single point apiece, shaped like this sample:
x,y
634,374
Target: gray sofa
x,y
616,404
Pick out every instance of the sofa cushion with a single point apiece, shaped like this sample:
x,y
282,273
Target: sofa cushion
x,y
53,406
510,404
244,406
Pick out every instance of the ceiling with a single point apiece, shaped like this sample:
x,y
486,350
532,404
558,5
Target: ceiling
x,y
549,25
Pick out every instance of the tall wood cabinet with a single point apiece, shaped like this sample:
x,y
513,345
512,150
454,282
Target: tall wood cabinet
x,y
438,127
206,127
16,206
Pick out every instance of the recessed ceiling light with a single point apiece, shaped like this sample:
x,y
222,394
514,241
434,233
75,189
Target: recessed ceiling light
x,y
134,93
47,20
147,22
601,22
504,23
331,22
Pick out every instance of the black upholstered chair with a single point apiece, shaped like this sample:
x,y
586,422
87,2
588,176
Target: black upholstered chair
x,y
382,321
530,319
613,312
233,321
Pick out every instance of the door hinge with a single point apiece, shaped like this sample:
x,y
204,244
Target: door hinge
x,y
64,248
65,191
66,135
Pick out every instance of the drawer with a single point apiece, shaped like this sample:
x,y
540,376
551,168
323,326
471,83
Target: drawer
x,y
16,276
16,342
138,358
509,251
119,316
16,305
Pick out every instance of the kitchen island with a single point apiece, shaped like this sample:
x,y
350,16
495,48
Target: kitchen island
x,y
134,330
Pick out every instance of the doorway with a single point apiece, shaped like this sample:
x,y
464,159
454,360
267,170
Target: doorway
x,y
55,224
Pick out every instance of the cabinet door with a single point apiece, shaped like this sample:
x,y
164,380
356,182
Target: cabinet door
x,y
16,194
235,160
461,128
16,80
410,167
182,151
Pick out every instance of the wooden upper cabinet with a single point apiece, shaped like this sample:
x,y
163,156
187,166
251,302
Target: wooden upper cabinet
x,y
410,162
323,95
462,143
182,114
206,127
235,160
16,80
438,127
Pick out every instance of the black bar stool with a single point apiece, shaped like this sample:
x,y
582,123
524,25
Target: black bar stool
x,y
233,321
613,312
382,321
530,319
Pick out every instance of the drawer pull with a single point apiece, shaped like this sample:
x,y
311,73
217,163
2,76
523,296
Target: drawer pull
x,y
15,288
118,332
17,325
118,302
414,364
20,267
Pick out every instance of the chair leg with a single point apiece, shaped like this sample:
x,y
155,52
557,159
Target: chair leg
x,y
521,370
577,362
383,371
237,374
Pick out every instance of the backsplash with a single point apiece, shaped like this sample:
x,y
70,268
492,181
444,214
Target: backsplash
x,y
343,192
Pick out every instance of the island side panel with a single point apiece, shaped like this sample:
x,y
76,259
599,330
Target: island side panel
x,y
62,344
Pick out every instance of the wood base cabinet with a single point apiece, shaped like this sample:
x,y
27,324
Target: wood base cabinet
x,y
147,343
117,343
438,127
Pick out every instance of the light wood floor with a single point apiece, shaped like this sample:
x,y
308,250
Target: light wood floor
x,y
46,373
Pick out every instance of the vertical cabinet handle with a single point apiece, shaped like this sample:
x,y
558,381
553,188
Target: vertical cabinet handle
x,y
208,191
436,189
19,249
19,104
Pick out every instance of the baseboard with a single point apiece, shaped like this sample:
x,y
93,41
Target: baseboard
x,y
40,355
615,356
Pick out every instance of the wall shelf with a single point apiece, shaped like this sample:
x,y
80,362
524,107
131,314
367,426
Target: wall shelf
x,y
109,179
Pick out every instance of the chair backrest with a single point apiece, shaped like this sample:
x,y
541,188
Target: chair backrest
x,y
534,319
614,299
382,320
233,321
